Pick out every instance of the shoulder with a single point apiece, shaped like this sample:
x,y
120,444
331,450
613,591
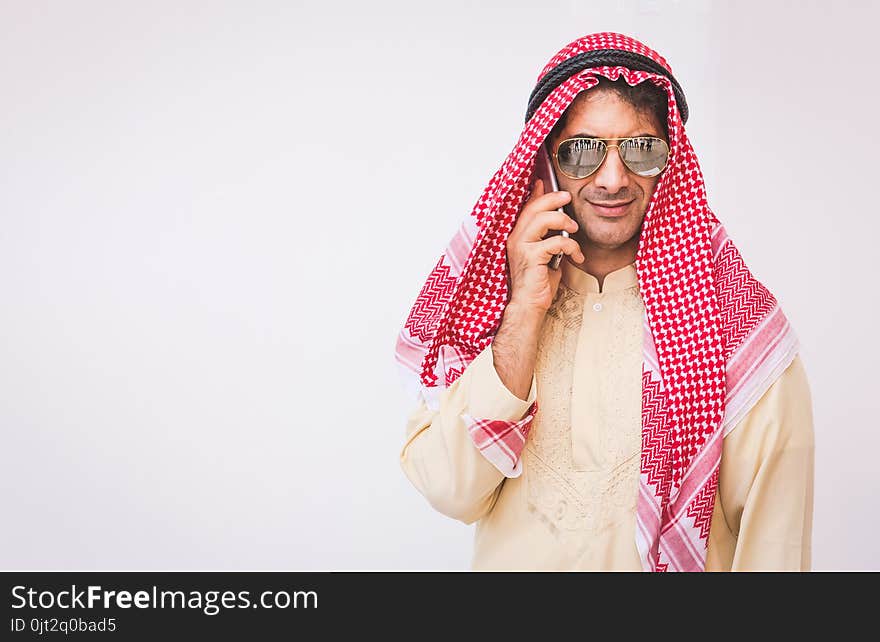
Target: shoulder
x,y
781,419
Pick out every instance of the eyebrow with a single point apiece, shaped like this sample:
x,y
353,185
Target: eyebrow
x,y
588,135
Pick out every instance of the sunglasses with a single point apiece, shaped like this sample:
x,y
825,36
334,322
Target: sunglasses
x,y
644,156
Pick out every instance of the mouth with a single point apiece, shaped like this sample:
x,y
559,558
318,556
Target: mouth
x,y
612,210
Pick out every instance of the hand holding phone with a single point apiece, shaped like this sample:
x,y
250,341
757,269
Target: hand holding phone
x,y
544,171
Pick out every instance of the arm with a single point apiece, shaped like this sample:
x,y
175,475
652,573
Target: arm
x,y
532,283
766,478
441,456
458,456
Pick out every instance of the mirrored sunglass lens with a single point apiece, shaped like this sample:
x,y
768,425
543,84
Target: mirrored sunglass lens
x,y
644,156
580,157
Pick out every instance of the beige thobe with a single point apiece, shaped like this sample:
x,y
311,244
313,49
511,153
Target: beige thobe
x,y
574,505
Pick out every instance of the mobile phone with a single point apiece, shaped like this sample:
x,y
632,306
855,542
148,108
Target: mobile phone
x,y
544,171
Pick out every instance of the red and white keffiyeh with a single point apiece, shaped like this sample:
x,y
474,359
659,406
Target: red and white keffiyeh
x,y
715,338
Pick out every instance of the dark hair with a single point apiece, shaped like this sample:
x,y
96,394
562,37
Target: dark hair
x,y
646,98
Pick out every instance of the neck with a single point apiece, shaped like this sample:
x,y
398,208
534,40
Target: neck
x,y
602,261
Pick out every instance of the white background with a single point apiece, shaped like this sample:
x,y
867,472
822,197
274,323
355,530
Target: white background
x,y
214,217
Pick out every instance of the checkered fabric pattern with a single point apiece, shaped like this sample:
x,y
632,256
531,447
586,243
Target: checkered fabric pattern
x,y
715,338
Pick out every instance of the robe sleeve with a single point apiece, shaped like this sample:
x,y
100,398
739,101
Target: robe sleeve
x,y
458,455
766,479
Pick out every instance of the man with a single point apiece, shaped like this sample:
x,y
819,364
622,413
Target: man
x,y
643,406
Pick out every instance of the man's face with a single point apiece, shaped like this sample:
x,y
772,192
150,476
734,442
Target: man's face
x,y
603,114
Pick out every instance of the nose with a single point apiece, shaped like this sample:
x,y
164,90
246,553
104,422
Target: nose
x,y
612,174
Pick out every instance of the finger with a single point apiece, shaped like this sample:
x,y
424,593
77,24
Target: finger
x,y
537,189
542,223
541,252
544,202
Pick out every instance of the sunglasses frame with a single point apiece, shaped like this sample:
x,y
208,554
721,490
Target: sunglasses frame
x,y
605,154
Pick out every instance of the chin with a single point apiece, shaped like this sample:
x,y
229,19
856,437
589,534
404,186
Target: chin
x,y
608,244
611,241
